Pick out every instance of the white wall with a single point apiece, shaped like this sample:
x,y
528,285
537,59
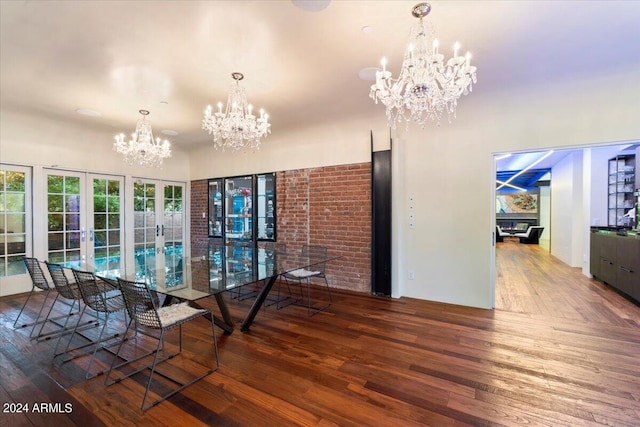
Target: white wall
x,y
562,189
344,142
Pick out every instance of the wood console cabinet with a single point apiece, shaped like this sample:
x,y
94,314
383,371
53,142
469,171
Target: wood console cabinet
x,y
615,260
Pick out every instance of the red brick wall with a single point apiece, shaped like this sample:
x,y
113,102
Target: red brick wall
x,y
199,225
328,206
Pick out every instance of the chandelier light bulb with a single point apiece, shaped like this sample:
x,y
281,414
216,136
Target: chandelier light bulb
x,y
428,85
143,149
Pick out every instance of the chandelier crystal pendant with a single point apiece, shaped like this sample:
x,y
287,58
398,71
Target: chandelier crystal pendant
x,y
143,149
427,86
236,127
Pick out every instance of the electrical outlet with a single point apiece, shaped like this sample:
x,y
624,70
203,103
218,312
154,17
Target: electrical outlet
x,y
412,275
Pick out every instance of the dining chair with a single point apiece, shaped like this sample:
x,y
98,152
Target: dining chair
x,y
103,298
148,319
39,283
67,292
318,271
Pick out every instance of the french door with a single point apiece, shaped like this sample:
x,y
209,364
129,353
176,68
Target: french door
x,y
85,220
159,227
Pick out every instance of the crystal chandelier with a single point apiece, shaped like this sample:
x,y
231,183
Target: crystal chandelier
x,y
237,127
427,87
142,148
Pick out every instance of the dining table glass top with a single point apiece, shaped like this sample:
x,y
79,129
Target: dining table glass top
x,y
222,268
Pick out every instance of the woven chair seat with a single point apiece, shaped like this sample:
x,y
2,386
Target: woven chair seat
x,y
169,316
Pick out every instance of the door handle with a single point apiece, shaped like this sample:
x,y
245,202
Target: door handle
x,y
157,231
91,234
83,235
163,230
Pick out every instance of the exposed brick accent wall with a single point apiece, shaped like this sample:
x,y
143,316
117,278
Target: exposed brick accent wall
x,y
328,206
292,208
199,225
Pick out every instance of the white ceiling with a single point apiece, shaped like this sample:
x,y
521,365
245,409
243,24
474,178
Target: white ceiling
x,y
175,57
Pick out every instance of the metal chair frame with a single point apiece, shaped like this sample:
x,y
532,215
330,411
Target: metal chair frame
x,y
102,297
68,292
146,318
38,281
319,272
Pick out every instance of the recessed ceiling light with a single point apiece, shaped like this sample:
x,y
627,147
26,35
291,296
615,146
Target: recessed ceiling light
x,y
164,102
169,132
367,29
88,112
368,74
311,5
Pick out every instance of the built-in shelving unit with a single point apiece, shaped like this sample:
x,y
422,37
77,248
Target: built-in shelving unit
x,y
621,190
242,209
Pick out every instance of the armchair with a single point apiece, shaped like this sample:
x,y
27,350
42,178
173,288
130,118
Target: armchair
x,y
500,235
532,235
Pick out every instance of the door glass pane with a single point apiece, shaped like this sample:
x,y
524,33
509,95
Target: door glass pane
x,y
72,185
100,221
15,181
55,203
15,202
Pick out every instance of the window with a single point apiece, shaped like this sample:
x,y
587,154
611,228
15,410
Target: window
x,y
15,219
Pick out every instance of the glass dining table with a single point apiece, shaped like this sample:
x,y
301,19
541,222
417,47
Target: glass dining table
x,y
228,268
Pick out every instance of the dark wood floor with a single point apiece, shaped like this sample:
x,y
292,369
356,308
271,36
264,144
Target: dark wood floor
x,y
559,350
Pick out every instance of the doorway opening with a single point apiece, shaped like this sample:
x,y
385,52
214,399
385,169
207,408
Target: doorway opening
x,y
570,199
